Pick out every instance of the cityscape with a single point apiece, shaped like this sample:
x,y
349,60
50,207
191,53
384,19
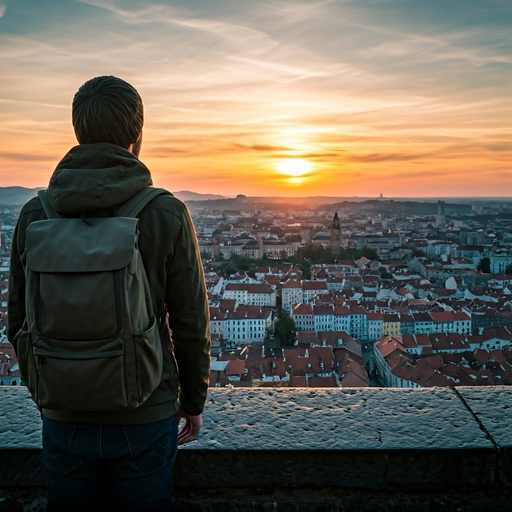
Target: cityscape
x,y
347,168
354,293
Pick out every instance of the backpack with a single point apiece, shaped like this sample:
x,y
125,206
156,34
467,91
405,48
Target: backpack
x,y
90,341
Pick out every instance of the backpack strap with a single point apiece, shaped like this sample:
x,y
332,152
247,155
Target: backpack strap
x,y
134,205
47,207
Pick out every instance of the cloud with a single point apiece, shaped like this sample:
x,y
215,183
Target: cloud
x,y
499,146
227,85
262,147
382,157
26,157
154,13
316,155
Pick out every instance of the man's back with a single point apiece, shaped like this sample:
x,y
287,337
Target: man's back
x,y
124,455
171,259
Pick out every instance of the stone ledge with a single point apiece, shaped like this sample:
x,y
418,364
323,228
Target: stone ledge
x,y
368,439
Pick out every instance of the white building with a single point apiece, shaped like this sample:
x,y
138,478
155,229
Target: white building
x,y
291,294
258,294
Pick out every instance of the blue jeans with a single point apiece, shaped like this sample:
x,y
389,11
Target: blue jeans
x,y
110,467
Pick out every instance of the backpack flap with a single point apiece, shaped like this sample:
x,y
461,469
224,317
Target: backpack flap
x,y
76,274
91,342
81,245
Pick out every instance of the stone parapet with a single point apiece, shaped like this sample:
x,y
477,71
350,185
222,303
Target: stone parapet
x,y
269,444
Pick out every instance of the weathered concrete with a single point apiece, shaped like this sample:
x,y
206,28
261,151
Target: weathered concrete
x,y
493,410
401,449
338,419
20,421
366,438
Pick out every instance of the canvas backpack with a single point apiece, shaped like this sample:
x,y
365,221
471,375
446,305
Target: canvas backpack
x,y
90,341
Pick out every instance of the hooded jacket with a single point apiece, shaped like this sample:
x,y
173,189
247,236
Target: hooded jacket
x,y
97,179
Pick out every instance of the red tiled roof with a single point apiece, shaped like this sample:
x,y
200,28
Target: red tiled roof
x,y
302,309
235,367
292,283
314,285
227,305
322,382
409,341
322,310
249,287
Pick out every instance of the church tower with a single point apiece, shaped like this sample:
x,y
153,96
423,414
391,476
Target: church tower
x,y
336,235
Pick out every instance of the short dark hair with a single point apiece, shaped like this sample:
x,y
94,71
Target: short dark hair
x,y
107,109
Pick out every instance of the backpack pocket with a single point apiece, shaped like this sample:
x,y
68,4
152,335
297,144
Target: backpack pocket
x,y
76,306
61,367
26,360
148,349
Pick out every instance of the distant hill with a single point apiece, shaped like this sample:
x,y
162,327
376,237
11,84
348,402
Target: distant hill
x,y
11,196
186,195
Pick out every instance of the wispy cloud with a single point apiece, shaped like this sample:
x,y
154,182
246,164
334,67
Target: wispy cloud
x,y
262,147
363,89
26,157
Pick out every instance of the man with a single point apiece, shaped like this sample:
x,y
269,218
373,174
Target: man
x,y
123,460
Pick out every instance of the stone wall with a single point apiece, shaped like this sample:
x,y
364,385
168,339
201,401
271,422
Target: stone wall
x,y
301,449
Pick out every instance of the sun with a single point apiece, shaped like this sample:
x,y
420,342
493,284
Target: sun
x,y
294,167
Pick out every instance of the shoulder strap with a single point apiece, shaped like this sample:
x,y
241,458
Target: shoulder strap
x,y
47,207
134,205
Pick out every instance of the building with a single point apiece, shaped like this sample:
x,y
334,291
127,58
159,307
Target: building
x,y
254,294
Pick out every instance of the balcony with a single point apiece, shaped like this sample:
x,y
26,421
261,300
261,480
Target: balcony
x,y
357,449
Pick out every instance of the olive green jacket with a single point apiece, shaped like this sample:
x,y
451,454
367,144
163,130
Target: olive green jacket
x,y
97,178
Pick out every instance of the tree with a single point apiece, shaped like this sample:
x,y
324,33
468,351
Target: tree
x,y
276,230
369,253
484,266
284,329
317,253
418,253
384,274
228,270
508,270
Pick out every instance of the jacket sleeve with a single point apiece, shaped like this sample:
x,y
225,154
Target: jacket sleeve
x,y
187,305
16,301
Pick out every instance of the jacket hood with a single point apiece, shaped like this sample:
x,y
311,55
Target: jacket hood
x,y
95,177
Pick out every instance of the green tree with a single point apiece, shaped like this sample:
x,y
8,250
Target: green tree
x,y
484,266
369,253
508,270
384,274
276,230
228,270
317,253
284,329
418,253
305,268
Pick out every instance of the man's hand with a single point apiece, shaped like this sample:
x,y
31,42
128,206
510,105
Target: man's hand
x,y
191,428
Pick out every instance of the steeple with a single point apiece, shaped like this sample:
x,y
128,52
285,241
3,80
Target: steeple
x,y
336,222
336,234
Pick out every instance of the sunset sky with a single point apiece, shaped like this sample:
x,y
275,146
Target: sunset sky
x,y
408,98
